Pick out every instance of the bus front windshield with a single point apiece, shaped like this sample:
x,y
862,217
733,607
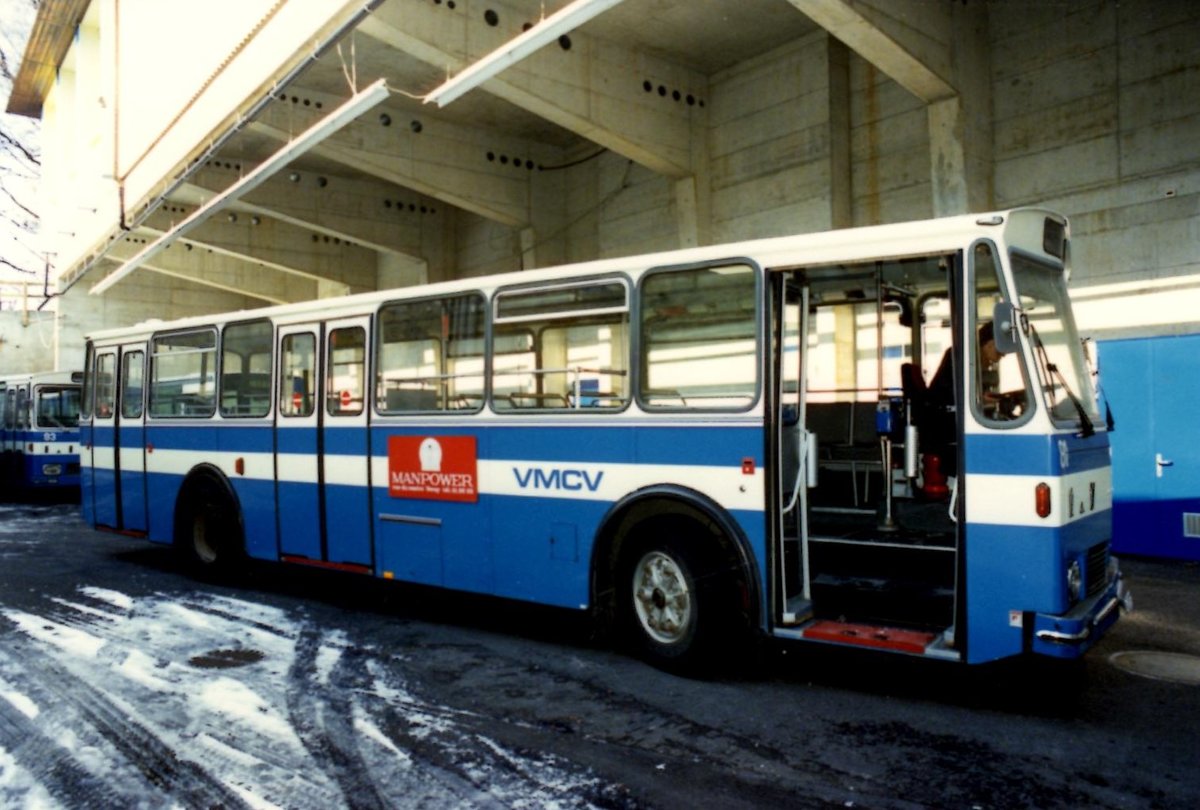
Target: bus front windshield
x,y
58,408
1061,368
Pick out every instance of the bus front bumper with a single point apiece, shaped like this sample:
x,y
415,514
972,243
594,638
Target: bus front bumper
x,y
1071,634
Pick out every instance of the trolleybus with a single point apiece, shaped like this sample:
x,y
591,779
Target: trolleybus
x,y
39,432
882,437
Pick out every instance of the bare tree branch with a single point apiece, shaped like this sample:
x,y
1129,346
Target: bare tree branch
x,y
32,214
23,150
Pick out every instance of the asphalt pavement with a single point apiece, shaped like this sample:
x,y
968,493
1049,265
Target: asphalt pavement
x,y
125,683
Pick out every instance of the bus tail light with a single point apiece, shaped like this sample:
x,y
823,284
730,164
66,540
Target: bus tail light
x,y
1042,499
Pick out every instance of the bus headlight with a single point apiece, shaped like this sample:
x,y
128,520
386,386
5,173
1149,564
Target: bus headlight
x,y
51,469
1074,580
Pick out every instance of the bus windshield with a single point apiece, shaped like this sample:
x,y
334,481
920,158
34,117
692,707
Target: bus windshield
x,y
1061,368
58,407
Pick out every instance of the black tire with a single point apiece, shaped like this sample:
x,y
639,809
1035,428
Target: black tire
x,y
673,604
208,533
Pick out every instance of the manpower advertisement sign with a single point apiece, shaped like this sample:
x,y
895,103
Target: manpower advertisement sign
x,y
436,468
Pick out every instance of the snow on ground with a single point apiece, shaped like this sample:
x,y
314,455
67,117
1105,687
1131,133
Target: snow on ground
x,y
147,701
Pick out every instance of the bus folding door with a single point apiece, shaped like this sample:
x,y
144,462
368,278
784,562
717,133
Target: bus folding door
x,y
105,496
321,445
131,439
296,445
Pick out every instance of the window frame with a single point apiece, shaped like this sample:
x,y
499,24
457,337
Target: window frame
x,y
485,311
220,392
544,319
216,372
641,367
972,383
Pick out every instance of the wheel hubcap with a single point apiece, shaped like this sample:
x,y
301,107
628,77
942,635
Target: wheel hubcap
x,y
204,549
661,597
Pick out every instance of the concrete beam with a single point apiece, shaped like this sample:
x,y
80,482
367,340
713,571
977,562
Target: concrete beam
x,y
917,63
214,284
216,271
595,89
377,216
277,247
446,162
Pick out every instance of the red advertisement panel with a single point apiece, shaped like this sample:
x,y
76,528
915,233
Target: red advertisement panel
x,y
436,468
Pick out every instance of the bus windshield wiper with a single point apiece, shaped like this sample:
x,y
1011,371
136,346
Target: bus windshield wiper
x,y
1052,373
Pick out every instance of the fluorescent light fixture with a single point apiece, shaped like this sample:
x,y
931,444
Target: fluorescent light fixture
x,y
567,18
355,106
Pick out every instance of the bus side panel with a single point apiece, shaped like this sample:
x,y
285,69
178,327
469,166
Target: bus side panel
x,y
430,540
104,476
551,488
257,499
544,548
254,445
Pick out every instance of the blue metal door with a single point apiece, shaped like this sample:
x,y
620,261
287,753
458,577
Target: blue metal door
x,y
1153,385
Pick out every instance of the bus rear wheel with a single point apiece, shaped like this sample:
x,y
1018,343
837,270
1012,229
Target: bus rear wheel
x,y
670,604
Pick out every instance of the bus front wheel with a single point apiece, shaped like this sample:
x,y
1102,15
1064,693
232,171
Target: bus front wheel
x,y
669,605
207,531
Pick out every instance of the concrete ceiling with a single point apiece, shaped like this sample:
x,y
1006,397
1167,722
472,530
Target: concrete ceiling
x,y
630,81
697,36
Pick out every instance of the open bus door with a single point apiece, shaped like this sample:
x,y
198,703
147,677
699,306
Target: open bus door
x,y
867,550
795,452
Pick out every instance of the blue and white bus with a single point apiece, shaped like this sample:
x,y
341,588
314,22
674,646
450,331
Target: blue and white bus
x,y
880,437
39,432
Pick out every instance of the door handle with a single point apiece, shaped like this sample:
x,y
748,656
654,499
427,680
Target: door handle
x,y
1159,463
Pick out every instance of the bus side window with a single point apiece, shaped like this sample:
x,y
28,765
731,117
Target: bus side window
x,y
246,369
132,374
562,348
105,384
297,361
346,380
998,381
183,374
699,346
430,355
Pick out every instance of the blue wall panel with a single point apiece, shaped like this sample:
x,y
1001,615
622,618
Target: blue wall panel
x,y
1153,386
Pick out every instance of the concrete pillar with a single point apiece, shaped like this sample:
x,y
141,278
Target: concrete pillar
x,y
947,157
840,190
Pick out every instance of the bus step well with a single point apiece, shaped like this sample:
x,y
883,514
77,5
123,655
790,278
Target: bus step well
x,y
866,635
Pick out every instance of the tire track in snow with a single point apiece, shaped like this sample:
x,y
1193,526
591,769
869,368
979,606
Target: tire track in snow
x,y
159,764
53,766
322,715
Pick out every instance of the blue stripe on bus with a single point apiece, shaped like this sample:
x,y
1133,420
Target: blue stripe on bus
x,y
245,439
668,444
1019,454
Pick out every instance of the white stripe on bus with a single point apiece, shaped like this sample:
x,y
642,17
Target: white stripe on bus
x,y
1011,500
